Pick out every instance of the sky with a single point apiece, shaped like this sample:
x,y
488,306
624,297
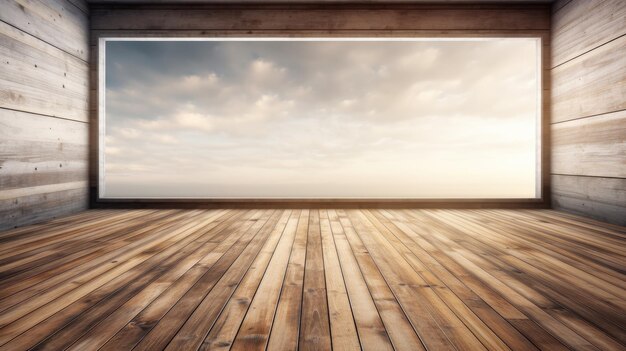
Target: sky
x,y
321,119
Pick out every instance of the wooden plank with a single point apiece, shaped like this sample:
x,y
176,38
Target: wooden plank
x,y
555,249
81,4
568,244
34,233
246,321
201,275
592,84
404,284
285,330
106,327
49,256
522,277
314,323
15,193
584,25
43,53
601,239
33,311
592,146
498,271
38,150
594,226
342,326
65,236
43,168
371,299
48,274
250,264
74,273
527,266
584,205
457,331
160,336
504,330
558,5
57,22
451,249
425,228
84,314
60,234
40,78
309,17
544,34
39,207
413,254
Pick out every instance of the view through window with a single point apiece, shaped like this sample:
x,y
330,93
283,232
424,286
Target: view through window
x,y
408,118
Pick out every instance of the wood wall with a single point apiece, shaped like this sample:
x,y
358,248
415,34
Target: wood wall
x,y
373,19
589,108
44,91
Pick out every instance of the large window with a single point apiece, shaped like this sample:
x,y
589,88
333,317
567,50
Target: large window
x,y
320,118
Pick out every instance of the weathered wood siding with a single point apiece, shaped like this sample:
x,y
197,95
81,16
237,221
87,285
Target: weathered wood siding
x,y
589,108
44,92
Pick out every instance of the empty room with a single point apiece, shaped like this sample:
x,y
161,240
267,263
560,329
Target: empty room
x,y
312,175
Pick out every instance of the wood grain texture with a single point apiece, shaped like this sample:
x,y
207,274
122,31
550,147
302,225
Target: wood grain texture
x,y
57,22
328,17
37,77
559,4
369,279
44,91
600,198
38,207
314,321
37,150
583,25
593,146
592,84
588,149
83,5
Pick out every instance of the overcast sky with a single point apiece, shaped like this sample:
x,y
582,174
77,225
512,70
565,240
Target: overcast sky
x,y
391,119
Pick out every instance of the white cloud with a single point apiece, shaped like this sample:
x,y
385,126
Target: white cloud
x,y
129,133
194,121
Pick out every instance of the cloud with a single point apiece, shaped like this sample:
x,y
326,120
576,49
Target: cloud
x,y
194,121
322,112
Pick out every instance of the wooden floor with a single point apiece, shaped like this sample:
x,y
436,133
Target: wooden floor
x,y
314,280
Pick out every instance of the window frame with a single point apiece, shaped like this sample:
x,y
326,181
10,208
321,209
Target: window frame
x,y
542,172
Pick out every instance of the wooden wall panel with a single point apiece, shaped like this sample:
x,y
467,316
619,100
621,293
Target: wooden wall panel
x,y
558,4
44,91
39,78
589,108
583,25
591,84
597,197
37,150
41,206
594,146
59,23
82,5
